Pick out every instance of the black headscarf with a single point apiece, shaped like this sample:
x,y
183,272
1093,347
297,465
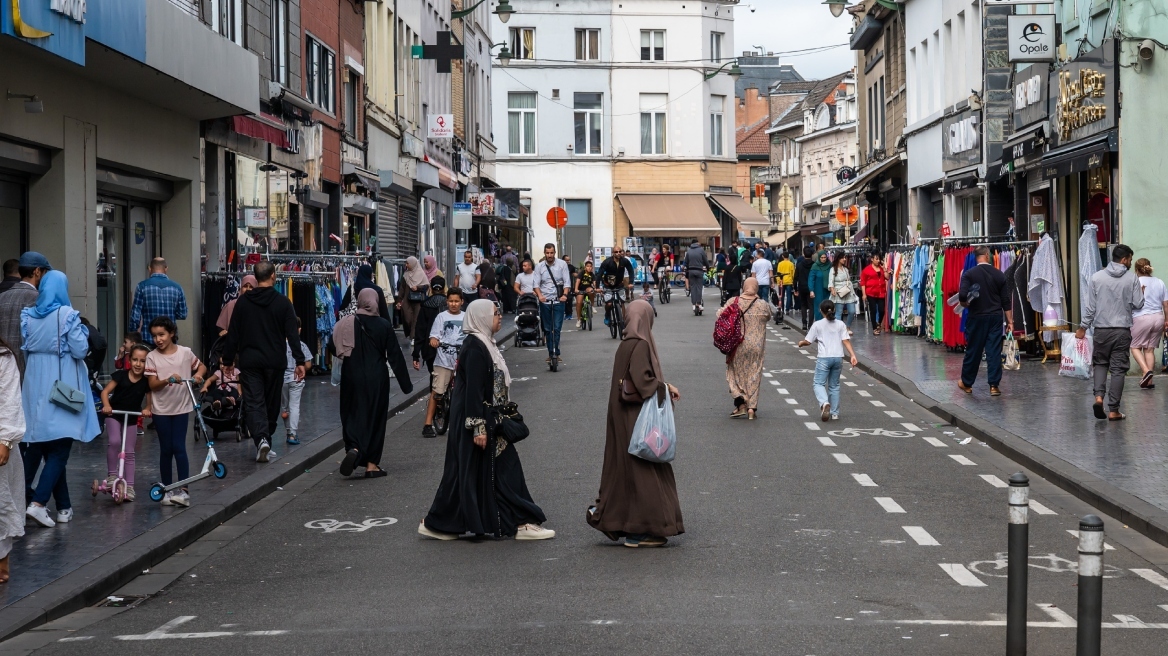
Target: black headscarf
x,y
364,278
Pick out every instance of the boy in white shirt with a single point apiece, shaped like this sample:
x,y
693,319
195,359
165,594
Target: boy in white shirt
x,y
762,273
447,337
290,397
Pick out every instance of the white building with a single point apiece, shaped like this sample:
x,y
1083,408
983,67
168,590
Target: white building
x,y
828,144
605,99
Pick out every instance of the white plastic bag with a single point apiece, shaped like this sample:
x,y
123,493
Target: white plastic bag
x,y
1011,358
1076,356
654,435
335,377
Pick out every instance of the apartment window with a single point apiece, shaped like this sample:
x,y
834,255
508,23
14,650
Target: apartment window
x,y
523,43
652,45
226,18
279,54
352,95
717,131
320,86
587,44
716,47
587,123
653,123
521,123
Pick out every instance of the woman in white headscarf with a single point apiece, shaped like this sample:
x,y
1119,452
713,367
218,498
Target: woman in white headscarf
x,y
483,491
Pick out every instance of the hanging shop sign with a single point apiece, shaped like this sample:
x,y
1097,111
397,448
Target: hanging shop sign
x,y
1031,37
961,140
440,126
1030,96
845,174
960,183
482,204
463,216
1085,101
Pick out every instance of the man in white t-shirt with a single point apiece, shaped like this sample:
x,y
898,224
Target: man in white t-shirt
x,y
469,276
446,336
761,269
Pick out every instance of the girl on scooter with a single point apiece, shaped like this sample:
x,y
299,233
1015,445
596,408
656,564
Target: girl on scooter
x,y
127,390
166,368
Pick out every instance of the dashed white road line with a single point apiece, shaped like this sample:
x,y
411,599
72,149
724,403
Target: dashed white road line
x,y
767,374
803,351
782,390
1041,509
842,458
865,480
894,414
812,357
962,459
912,427
1106,547
889,505
849,384
878,404
864,393
801,413
935,442
825,441
791,401
921,536
811,425
963,576
993,480
774,382
1153,577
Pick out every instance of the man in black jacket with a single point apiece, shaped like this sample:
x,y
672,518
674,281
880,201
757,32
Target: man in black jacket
x,y
802,294
262,329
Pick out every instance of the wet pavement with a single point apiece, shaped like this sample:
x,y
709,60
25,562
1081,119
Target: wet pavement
x,y
1050,411
100,526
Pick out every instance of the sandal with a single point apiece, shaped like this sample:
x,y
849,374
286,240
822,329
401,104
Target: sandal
x,y
1146,381
1097,408
1119,417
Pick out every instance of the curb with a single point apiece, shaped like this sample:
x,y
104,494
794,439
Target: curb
x,y
1136,513
100,577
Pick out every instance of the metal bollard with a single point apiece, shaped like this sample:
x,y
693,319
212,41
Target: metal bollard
x,y
1090,629
1017,568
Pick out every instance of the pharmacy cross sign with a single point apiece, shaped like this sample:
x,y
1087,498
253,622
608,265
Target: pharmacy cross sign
x,y
444,52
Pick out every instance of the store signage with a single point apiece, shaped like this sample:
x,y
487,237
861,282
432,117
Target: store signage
x,y
482,204
74,9
462,216
255,217
845,174
1031,37
61,27
1085,105
1030,96
961,140
440,126
959,184
946,231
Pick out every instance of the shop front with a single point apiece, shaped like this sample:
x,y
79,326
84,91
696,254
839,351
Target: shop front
x,y
674,219
961,157
739,219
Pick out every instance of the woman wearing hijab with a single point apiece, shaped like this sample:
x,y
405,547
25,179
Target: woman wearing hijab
x,y
483,491
363,281
744,365
367,343
637,498
55,345
430,266
246,285
412,290
817,282
11,466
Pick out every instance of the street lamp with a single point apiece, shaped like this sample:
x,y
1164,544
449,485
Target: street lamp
x,y
734,72
836,6
504,11
504,55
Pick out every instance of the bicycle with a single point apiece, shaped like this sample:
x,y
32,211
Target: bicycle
x,y
586,312
663,290
616,314
442,408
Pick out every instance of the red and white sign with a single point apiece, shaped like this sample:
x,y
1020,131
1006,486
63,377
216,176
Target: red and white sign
x,y
440,126
945,231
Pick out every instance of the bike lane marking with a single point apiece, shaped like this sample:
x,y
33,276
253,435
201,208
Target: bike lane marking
x,y
842,458
889,505
935,442
993,480
962,460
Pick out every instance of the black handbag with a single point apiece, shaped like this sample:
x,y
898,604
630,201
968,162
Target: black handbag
x,y
416,296
509,423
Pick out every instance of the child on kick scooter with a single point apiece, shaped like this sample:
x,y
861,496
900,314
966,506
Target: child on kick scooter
x,y
166,368
126,391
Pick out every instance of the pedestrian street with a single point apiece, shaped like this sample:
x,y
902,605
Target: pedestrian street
x,y
882,533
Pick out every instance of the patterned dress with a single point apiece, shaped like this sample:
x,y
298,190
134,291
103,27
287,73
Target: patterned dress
x,y
744,367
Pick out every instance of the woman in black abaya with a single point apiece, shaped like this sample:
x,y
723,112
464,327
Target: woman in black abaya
x,y
483,491
367,343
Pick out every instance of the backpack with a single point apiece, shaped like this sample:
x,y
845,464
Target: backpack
x,y
728,329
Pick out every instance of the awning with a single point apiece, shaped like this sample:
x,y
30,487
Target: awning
x,y
670,215
815,229
864,178
368,179
748,218
265,130
1080,157
862,234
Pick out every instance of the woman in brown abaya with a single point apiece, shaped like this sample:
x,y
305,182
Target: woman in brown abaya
x,y
638,498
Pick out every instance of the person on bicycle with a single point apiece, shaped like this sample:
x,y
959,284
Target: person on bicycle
x,y
446,338
662,265
696,264
630,274
585,285
552,284
612,278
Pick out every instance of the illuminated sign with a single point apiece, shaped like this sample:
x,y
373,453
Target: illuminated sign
x,y
1030,97
961,140
1085,105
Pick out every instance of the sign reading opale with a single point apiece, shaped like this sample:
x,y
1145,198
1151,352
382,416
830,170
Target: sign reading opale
x,y
1031,37
1085,104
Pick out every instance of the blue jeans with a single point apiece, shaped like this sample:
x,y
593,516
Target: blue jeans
x,y
172,440
764,292
851,309
551,315
827,377
788,298
55,454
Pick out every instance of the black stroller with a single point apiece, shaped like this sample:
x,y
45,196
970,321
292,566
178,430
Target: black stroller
x,y
226,420
528,331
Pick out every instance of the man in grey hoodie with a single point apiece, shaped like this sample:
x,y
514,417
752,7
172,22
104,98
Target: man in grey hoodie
x,y
1112,295
696,264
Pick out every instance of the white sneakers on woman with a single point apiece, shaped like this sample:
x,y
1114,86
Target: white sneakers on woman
x,y
40,515
534,532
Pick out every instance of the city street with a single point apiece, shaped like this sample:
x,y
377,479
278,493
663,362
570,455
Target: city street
x,y
882,533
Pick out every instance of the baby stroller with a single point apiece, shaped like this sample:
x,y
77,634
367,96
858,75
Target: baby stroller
x,y
528,331
229,419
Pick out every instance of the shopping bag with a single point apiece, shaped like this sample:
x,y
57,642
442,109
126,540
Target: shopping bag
x,y
335,377
654,435
1076,357
1011,358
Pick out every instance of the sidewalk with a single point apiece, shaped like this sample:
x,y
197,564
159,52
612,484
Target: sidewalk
x,y
72,554
1045,422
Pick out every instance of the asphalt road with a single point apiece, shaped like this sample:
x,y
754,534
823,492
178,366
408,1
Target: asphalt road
x,y
788,550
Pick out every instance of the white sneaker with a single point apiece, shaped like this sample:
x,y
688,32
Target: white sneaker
x,y
262,454
835,417
422,530
168,499
534,532
825,412
273,456
63,516
40,515
181,498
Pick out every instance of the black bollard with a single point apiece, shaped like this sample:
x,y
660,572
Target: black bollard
x,y
1017,567
1089,633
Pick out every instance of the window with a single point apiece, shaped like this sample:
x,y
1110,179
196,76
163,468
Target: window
x,y
352,86
523,43
716,47
653,123
587,120
717,106
226,18
320,86
587,44
279,41
652,45
521,123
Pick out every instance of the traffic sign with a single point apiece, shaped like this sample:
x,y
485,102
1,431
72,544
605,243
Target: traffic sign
x,y
847,216
557,217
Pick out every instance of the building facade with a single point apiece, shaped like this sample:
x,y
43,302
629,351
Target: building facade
x,y
826,146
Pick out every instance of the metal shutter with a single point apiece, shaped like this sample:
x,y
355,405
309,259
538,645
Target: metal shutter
x,y
387,225
407,227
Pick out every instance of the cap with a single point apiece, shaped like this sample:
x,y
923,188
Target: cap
x,y
34,260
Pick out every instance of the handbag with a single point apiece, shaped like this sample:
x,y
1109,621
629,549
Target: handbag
x,y
1012,360
416,296
628,392
507,423
62,394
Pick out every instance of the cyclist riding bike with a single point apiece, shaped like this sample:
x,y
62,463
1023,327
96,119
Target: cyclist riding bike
x,y
585,286
446,338
613,273
662,267
552,283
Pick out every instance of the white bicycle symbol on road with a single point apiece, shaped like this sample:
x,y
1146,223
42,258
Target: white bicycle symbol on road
x,y
879,432
1049,562
336,525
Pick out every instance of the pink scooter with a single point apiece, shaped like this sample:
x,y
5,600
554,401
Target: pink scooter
x,y
118,489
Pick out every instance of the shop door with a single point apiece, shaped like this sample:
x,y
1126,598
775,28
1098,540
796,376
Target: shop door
x,y
112,312
577,235
11,220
